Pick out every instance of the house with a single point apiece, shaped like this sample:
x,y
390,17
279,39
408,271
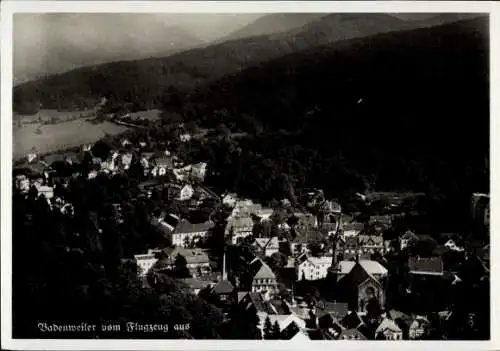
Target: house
x,y
267,246
353,320
186,232
418,328
352,229
388,330
346,248
186,192
238,228
369,244
363,283
373,268
185,137
223,289
264,279
145,262
312,268
197,260
426,266
245,208
161,166
303,240
126,160
265,213
45,190
303,221
328,313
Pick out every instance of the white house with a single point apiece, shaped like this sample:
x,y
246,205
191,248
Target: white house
x,y
388,330
45,190
186,231
312,268
126,160
145,262
186,192
268,246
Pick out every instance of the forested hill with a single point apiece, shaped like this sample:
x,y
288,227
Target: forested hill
x,y
145,81
273,23
406,110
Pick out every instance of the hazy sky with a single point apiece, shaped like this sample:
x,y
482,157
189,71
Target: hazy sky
x,y
44,42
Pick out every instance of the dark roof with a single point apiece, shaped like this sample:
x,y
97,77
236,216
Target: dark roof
x,y
223,287
290,331
426,265
351,321
185,226
258,302
280,307
336,309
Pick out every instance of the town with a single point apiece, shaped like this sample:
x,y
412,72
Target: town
x,y
311,267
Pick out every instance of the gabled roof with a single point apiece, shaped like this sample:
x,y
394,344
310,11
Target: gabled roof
x,y
192,256
426,265
388,325
258,302
356,226
352,321
372,240
264,272
338,310
265,243
356,276
223,287
371,267
185,226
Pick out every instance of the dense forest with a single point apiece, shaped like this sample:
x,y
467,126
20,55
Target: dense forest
x,y
399,111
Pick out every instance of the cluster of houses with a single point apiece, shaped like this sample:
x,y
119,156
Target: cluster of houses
x,y
328,246
317,240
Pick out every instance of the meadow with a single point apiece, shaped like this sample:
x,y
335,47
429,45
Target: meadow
x,y
52,137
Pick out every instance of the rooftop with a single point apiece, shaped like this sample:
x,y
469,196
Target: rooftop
x,y
185,226
371,267
426,265
223,287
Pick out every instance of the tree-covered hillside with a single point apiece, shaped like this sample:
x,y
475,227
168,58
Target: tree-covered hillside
x,y
144,81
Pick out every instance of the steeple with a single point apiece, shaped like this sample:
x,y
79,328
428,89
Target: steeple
x,y
224,273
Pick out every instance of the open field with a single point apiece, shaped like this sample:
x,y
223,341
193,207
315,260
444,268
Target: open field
x,y
48,115
53,137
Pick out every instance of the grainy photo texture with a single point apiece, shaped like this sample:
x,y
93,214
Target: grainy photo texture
x,y
283,176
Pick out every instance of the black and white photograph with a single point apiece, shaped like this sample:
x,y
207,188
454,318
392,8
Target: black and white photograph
x,y
286,175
